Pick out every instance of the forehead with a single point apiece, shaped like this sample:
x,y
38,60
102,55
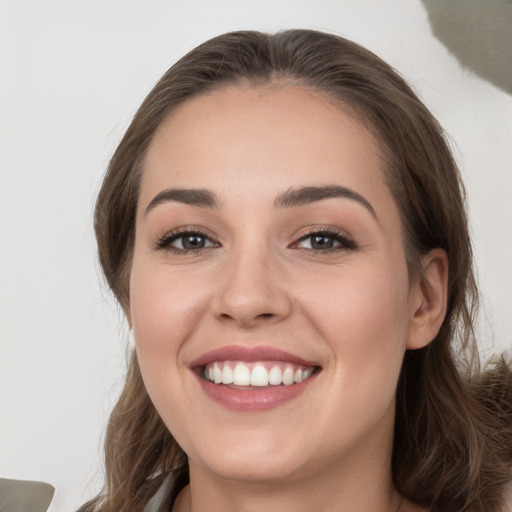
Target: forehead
x,y
279,135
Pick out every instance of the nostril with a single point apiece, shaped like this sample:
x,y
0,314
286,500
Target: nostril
x,y
262,316
251,308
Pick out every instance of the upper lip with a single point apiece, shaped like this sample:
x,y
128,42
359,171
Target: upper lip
x,y
249,354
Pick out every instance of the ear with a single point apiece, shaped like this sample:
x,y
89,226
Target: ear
x,y
428,300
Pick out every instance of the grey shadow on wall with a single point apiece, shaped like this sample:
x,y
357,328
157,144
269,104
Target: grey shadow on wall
x,y
25,496
478,33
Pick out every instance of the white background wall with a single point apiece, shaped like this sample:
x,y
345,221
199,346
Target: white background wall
x,y
72,74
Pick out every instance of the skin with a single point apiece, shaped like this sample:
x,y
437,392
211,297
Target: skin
x,y
259,281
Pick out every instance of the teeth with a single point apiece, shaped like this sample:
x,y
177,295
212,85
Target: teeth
x,y
288,377
241,375
217,374
307,373
260,375
275,376
227,374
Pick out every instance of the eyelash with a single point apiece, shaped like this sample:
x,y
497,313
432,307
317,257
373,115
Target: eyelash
x,y
164,243
346,242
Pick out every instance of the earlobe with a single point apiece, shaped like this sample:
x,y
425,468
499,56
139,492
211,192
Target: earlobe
x,y
428,300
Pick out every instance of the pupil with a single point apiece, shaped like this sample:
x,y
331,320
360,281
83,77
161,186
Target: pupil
x,y
193,242
322,242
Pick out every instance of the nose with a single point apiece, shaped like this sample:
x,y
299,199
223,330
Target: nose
x,y
252,291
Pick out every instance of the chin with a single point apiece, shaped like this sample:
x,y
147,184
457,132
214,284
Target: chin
x,y
249,467
251,456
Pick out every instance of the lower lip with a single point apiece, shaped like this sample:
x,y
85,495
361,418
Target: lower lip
x,y
252,400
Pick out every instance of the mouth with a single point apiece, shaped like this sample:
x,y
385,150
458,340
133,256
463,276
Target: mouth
x,y
259,374
253,379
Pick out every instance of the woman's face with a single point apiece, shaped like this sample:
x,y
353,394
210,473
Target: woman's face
x,y
268,250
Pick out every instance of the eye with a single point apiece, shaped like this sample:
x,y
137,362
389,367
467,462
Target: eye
x,y
325,241
185,241
191,241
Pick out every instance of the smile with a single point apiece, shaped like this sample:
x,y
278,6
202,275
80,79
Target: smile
x,y
259,374
253,378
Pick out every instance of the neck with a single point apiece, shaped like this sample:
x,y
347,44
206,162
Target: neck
x,y
254,498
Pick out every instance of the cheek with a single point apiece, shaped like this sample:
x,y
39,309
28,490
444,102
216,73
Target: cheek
x,y
163,312
364,317
362,301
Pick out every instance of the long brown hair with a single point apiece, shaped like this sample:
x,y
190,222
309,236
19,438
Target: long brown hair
x,y
453,428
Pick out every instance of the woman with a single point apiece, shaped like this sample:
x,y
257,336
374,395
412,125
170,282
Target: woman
x,y
284,227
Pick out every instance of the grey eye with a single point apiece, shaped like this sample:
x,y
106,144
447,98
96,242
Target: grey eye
x,y
318,242
326,241
322,242
191,241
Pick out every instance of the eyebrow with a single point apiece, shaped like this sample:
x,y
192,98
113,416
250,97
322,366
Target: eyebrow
x,y
196,197
307,195
293,197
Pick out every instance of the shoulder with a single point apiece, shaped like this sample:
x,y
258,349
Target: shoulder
x,y
167,490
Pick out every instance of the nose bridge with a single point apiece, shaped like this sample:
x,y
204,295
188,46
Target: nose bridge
x,y
252,288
